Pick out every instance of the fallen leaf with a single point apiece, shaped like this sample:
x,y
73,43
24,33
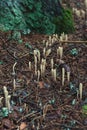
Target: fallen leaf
x,y
41,84
23,125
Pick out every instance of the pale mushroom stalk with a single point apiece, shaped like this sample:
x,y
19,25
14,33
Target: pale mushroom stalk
x,y
54,74
8,100
48,52
80,90
14,83
61,52
38,74
52,63
1,100
63,76
14,67
29,65
6,96
68,77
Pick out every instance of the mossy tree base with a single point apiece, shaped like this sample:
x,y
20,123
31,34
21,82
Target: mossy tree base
x,y
37,16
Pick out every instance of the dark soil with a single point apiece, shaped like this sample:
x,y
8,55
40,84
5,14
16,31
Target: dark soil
x,y
44,104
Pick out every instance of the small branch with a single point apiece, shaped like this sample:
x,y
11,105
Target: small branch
x,y
28,115
73,41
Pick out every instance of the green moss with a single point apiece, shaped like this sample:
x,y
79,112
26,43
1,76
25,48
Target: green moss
x,y
84,110
64,23
36,16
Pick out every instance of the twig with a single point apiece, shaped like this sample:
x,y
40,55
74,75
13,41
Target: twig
x,y
73,41
30,114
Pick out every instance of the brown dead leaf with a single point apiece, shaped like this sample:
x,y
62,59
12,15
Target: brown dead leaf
x,y
23,125
41,84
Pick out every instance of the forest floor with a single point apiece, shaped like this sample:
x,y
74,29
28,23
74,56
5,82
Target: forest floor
x,y
42,102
